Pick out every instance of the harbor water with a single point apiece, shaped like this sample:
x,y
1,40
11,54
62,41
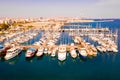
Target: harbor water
x,y
103,66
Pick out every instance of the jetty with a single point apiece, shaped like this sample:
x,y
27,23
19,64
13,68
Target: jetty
x,y
85,30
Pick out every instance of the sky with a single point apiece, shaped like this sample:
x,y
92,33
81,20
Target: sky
x,y
60,8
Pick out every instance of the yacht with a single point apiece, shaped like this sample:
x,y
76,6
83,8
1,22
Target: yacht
x,y
94,50
73,52
83,52
40,51
30,52
114,49
101,49
12,52
62,53
53,54
45,51
76,40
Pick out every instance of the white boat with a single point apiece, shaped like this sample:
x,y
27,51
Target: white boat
x,y
73,53
40,51
76,40
101,49
45,51
114,49
12,53
83,52
94,50
62,53
53,54
30,52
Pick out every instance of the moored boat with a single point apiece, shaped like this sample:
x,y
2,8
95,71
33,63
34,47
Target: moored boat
x,y
53,54
62,53
12,52
73,52
30,52
40,51
45,51
83,52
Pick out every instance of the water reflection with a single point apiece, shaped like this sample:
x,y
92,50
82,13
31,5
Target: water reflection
x,y
53,58
2,59
109,56
73,60
61,63
40,58
30,59
82,59
114,58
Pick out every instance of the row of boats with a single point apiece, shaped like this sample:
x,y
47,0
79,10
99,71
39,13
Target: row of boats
x,y
51,39
19,37
106,44
25,37
87,48
60,52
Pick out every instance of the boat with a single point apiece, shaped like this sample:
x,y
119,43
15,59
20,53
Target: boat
x,y
45,51
73,52
40,51
30,52
53,54
76,39
83,52
114,49
101,48
12,52
62,52
94,50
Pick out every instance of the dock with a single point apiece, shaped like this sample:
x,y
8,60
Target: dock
x,y
85,30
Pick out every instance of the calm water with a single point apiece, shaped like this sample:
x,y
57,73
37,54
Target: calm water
x,y
104,66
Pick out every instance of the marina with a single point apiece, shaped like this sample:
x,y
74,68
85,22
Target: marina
x,y
72,50
59,40
54,39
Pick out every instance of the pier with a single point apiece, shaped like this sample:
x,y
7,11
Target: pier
x,y
85,30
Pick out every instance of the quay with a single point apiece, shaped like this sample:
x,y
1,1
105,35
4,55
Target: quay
x,y
86,30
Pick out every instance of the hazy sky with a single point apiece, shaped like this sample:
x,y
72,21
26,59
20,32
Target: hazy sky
x,y
72,8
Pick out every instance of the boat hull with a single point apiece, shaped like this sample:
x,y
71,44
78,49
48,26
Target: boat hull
x,y
61,56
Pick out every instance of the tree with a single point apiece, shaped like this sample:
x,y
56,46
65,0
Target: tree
x,y
4,26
